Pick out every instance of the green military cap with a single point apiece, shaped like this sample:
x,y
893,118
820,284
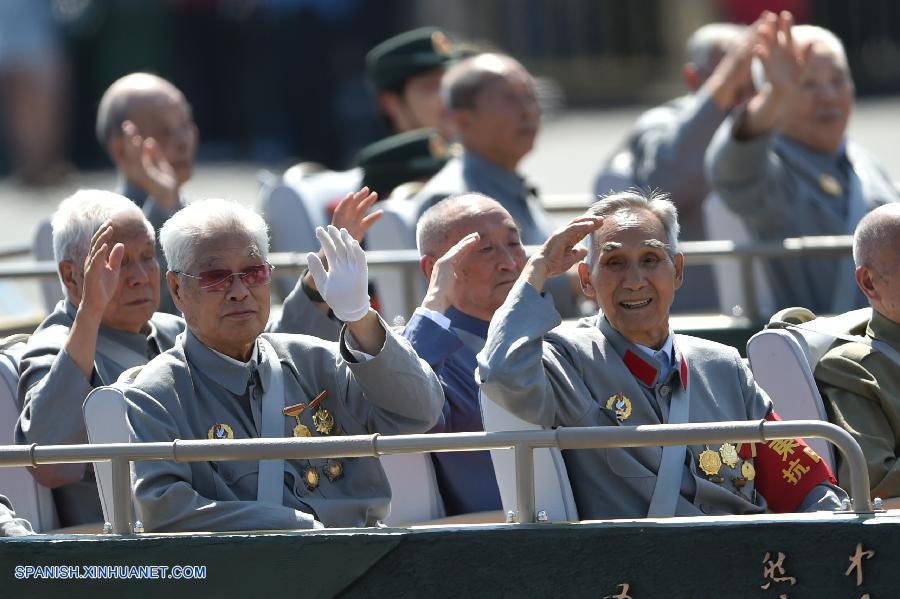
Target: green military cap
x,y
410,156
395,60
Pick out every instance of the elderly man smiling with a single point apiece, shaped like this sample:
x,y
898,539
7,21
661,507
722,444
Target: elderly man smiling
x,y
626,367
225,379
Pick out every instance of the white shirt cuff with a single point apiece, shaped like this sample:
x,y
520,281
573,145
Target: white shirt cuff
x,y
434,316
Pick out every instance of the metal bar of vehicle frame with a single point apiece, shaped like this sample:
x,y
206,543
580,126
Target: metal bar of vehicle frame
x,y
524,442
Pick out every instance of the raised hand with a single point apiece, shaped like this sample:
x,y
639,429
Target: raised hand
x,y
775,48
730,82
351,213
444,281
561,250
145,165
102,266
344,286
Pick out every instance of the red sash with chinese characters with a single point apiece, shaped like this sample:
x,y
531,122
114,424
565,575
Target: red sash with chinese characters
x,y
786,470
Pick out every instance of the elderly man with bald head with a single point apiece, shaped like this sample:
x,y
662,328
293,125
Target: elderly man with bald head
x,y
493,109
784,164
471,253
860,380
227,379
147,127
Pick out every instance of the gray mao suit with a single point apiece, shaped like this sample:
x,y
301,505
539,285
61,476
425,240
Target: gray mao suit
x,y
566,376
780,188
52,389
664,151
189,390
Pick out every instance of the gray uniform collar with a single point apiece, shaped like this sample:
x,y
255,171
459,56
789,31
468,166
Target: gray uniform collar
x,y
649,371
145,345
229,374
502,182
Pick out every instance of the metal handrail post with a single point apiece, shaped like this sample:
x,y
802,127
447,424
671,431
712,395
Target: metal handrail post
x,y
121,490
525,507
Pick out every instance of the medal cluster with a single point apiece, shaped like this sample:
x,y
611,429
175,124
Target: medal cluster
x,y
711,462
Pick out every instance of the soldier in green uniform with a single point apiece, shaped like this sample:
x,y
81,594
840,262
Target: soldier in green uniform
x,y
860,381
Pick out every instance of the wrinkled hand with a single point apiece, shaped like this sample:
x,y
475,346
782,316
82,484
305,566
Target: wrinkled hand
x,y
351,213
101,271
561,250
445,279
781,59
146,166
344,286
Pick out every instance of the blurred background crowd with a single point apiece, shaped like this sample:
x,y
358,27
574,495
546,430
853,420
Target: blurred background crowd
x,y
277,81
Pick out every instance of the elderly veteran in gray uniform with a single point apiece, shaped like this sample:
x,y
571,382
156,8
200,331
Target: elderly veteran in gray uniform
x,y
785,166
626,367
665,147
224,379
105,249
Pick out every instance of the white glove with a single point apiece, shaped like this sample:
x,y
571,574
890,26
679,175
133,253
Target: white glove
x,y
345,285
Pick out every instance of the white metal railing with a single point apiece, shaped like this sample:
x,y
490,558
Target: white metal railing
x,y
522,442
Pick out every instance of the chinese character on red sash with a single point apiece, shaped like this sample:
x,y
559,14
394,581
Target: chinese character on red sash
x,y
786,470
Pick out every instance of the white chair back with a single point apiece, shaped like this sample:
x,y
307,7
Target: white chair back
x,y
719,222
104,418
414,492
396,230
31,500
783,362
552,490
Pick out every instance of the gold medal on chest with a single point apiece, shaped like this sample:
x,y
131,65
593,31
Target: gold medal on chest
x,y
710,461
220,431
621,405
729,455
311,478
748,470
324,421
301,430
333,470
830,185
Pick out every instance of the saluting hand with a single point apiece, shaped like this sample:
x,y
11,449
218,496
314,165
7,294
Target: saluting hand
x,y
561,251
146,166
445,274
101,271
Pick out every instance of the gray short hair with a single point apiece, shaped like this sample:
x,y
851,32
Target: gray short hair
x,y
657,203
119,98
463,81
80,215
878,229
706,45
201,220
436,223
